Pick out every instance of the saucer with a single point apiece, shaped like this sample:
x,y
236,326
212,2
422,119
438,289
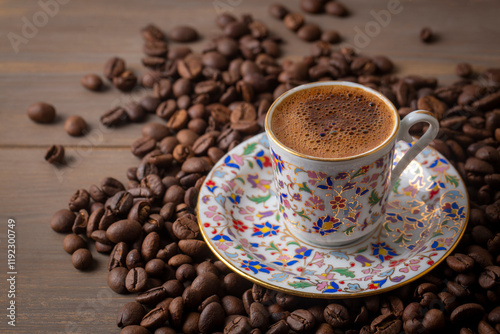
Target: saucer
x,y
426,216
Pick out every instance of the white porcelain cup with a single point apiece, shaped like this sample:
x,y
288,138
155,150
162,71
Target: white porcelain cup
x,y
336,201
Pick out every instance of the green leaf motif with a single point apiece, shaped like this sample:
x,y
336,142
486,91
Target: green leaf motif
x,y
249,148
349,231
300,284
250,164
396,186
374,198
361,250
358,173
452,180
292,243
277,217
344,272
239,247
272,246
436,234
401,239
240,179
387,228
260,199
304,187
303,215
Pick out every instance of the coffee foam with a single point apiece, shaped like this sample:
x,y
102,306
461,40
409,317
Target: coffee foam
x,y
332,122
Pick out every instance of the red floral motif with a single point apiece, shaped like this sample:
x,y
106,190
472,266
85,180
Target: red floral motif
x,y
338,202
239,225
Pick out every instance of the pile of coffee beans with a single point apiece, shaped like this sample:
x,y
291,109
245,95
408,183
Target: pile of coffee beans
x,y
213,100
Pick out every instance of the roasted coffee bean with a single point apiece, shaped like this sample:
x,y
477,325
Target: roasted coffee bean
x,y
309,32
233,305
134,329
150,246
135,112
208,267
111,186
155,318
119,204
79,200
114,67
136,280
81,259
205,285
42,112
193,248
178,120
460,262
490,277
155,48
336,9
300,320
480,256
186,137
130,313
75,126
203,144
55,154
143,146
114,117
183,34
124,231
116,279
467,313
73,242
134,259
185,272
336,315
179,259
293,21
277,11
259,316
152,296
118,256
152,33
211,317
126,81
81,221
92,82
238,325
386,323
426,35
312,6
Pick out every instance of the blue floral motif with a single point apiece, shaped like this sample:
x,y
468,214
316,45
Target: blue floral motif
x,y
230,162
280,165
265,230
256,267
327,225
302,252
332,287
383,251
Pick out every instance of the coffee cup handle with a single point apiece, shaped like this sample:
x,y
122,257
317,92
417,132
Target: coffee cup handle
x,y
408,121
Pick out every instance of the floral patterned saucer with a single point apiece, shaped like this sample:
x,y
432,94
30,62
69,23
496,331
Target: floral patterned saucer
x,y
426,216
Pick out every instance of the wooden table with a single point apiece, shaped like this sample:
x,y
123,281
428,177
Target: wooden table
x,y
53,297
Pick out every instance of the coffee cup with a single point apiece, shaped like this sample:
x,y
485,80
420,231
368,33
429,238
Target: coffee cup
x,y
332,146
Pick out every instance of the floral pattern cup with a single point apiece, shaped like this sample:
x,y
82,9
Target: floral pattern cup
x,y
332,202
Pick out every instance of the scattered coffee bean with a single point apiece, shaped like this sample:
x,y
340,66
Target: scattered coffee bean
x,y
426,35
55,154
92,82
42,112
75,126
81,259
183,34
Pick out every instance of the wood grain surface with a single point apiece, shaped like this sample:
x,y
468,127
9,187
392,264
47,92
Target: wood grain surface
x,y
52,296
